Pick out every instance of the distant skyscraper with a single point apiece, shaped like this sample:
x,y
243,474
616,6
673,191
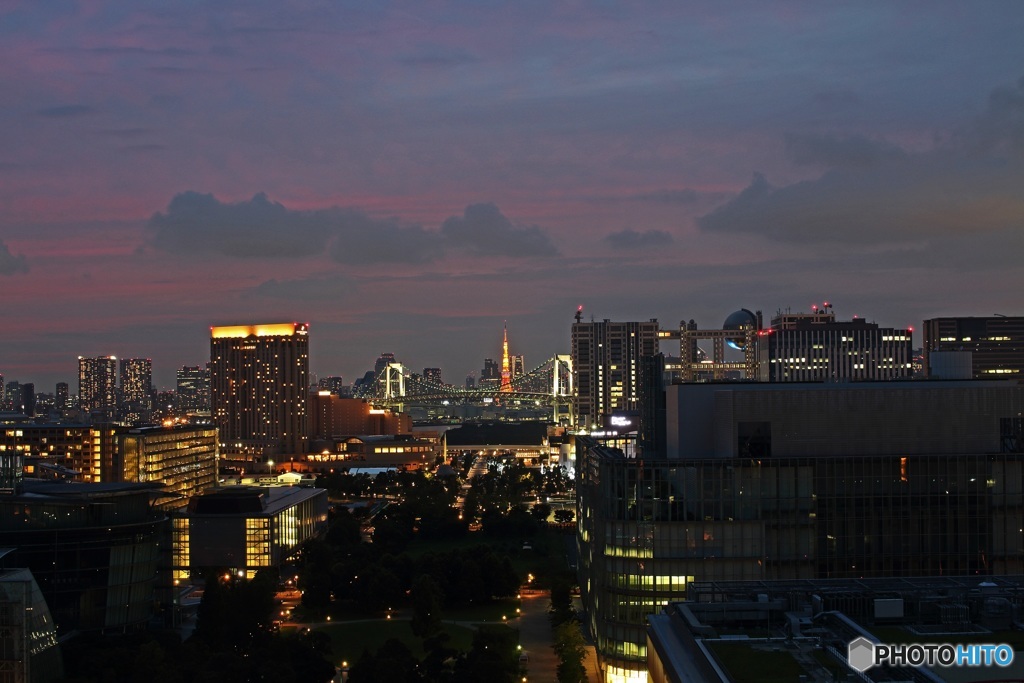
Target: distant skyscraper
x,y
97,384
383,361
490,375
432,375
606,358
259,379
470,382
996,344
28,399
517,366
61,397
334,384
192,392
12,396
137,381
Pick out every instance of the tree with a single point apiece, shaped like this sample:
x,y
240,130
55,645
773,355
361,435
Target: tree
x,y
427,599
564,516
570,648
541,511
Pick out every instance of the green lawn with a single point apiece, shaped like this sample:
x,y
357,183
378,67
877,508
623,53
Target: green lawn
x,y
349,639
746,664
490,612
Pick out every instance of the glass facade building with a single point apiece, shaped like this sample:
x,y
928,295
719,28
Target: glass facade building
x,y
804,506
94,550
246,528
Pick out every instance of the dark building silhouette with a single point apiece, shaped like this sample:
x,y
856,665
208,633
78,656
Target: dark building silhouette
x,y
995,344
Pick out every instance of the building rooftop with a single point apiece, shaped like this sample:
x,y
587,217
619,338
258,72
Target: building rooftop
x,y
248,500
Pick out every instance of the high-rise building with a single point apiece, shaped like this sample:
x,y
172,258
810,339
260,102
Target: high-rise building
x,y
490,375
12,396
97,384
334,384
259,378
192,393
996,344
137,381
815,347
28,399
518,366
606,360
61,400
432,375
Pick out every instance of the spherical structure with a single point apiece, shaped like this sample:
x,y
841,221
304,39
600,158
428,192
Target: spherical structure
x,y
739,320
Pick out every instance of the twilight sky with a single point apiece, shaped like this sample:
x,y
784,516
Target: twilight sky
x,y
405,176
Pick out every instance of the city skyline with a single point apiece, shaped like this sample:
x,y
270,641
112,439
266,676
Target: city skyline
x,y
406,178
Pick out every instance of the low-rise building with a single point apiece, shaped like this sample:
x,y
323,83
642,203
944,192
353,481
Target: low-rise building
x,y
245,528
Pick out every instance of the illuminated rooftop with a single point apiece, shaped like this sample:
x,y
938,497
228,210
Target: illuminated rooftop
x,y
266,330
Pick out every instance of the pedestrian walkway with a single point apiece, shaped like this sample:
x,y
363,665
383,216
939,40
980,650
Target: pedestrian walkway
x,y
536,638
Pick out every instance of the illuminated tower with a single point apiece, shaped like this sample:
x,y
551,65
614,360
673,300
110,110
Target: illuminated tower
x,y
259,378
506,373
97,384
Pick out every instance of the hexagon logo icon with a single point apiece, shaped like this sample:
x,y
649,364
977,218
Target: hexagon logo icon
x,y
860,654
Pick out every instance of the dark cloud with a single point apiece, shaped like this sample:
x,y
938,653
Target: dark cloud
x,y
196,223
840,151
315,289
65,111
483,229
632,239
362,239
876,193
9,263
258,228
686,196
1001,127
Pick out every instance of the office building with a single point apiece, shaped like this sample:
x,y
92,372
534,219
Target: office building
x,y
192,394
798,481
432,375
244,528
815,347
606,361
94,550
490,375
183,458
61,396
995,345
517,365
334,384
97,385
28,399
259,379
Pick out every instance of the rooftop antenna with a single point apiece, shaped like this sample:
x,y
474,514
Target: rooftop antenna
x,y
579,313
